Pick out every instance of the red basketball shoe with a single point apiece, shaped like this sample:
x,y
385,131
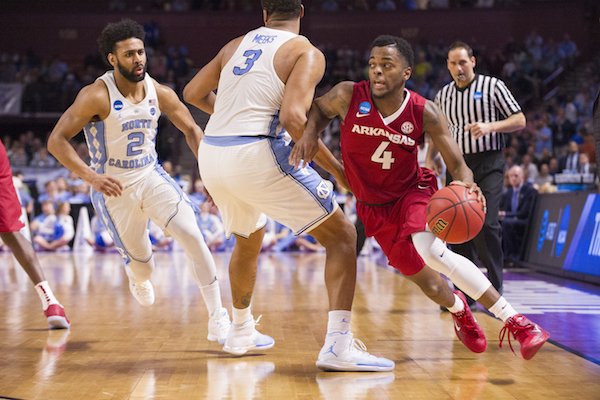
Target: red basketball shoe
x,y
467,329
531,336
55,313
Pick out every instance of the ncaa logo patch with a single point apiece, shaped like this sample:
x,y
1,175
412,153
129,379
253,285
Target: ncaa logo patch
x,y
407,128
118,105
364,107
152,111
477,95
324,189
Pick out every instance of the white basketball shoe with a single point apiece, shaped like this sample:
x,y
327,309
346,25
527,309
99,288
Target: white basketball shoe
x,y
143,292
218,326
341,352
244,337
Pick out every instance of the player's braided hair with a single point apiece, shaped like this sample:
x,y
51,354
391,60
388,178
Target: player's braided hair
x,y
403,47
286,9
117,31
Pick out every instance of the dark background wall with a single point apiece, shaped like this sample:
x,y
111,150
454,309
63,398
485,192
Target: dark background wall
x,y
74,34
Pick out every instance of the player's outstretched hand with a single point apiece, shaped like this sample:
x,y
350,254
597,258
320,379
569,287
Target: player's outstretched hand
x,y
304,151
107,185
473,188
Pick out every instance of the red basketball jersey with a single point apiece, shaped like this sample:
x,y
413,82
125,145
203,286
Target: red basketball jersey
x,y
10,208
381,160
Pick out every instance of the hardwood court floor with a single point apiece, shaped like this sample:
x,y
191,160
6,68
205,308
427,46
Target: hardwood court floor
x,y
118,350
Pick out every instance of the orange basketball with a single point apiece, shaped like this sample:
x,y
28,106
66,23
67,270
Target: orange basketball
x,y
454,215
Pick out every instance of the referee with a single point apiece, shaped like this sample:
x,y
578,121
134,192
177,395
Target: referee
x,y
480,110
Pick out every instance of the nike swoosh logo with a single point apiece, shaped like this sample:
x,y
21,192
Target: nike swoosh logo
x,y
422,187
359,115
536,329
456,327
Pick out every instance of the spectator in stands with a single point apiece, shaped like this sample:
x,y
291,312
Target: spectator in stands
x,y
101,239
330,6
56,233
81,193
553,166
570,161
43,159
44,224
515,207
544,177
385,5
584,164
305,242
529,168
24,196
160,241
274,233
52,193
350,207
543,135
211,227
18,156
198,196
440,4
562,130
567,49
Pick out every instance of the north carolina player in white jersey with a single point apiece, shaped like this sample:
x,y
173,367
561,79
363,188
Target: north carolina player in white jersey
x,y
266,82
119,115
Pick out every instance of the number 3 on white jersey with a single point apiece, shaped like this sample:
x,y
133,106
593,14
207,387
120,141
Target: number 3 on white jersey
x,y
383,157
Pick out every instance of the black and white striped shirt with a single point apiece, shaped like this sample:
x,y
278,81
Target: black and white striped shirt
x,y
486,99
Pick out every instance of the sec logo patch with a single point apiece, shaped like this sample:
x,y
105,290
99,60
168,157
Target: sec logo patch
x,y
407,128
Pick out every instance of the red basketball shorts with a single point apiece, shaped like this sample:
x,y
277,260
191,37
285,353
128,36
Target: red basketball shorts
x,y
393,224
10,208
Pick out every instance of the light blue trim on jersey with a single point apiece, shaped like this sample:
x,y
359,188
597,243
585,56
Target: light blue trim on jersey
x,y
99,203
307,178
226,141
98,154
273,124
182,196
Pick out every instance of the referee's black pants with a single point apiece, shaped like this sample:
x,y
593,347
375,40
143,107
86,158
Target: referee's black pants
x,y
488,172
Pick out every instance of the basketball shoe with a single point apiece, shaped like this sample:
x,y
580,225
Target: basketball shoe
x,y
531,336
467,329
143,292
57,319
218,326
341,352
244,337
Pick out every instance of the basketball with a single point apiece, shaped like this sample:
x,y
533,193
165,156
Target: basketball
x,y
454,215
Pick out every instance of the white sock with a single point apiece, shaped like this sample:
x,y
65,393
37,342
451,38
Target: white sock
x,y
241,315
502,309
339,322
458,305
212,297
46,296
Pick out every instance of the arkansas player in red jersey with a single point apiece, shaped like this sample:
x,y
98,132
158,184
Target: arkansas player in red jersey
x,y
383,123
10,225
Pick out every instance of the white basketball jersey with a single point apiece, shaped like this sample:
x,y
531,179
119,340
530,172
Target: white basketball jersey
x,y
123,145
249,94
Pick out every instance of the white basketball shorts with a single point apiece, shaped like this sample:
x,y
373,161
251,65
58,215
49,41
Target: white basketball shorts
x,y
249,178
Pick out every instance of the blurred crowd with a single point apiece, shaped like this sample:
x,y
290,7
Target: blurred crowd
x,y
554,88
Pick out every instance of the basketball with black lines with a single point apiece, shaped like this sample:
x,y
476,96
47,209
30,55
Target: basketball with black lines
x,y
454,215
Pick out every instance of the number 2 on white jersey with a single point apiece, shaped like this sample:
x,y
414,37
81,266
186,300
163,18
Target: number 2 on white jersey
x,y
383,157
